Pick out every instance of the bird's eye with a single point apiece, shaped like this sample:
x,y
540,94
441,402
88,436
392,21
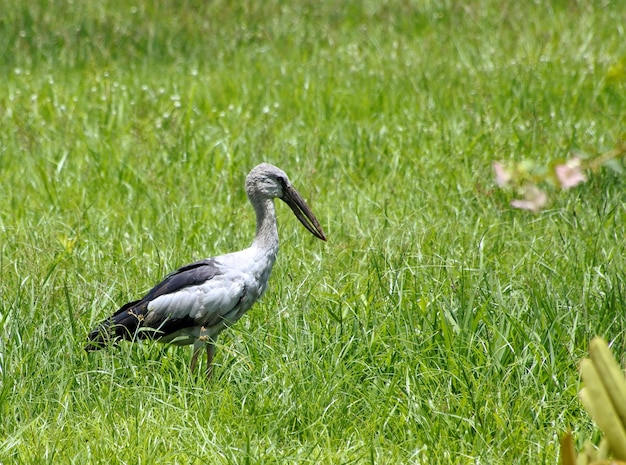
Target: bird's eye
x,y
281,180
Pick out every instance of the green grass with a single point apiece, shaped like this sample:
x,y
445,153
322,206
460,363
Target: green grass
x,y
437,325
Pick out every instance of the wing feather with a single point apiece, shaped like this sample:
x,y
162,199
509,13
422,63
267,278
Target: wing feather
x,y
188,275
125,322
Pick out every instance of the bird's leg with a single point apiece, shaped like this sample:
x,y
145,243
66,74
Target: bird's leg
x,y
210,350
194,358
204,340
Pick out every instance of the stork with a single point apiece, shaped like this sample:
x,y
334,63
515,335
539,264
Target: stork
x,y
193,304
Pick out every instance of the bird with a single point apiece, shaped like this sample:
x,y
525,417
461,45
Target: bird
x,y
196,302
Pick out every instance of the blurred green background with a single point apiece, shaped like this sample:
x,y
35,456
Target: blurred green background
x,y
436,325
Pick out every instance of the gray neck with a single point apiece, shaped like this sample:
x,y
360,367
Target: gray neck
x,y
266,237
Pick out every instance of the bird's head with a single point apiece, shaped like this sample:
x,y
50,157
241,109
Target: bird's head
x,y
268,182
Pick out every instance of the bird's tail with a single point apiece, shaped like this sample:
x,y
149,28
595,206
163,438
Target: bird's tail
x,y
122,324
100,336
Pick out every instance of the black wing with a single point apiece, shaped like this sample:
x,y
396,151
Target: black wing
x,y
188,275
124,323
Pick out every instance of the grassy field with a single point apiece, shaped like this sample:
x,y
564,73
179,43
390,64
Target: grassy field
x,y
437,325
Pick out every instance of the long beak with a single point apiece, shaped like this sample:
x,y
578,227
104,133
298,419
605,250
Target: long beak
x,y
302,211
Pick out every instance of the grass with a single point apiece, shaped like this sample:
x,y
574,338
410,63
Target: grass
x,y
436,325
